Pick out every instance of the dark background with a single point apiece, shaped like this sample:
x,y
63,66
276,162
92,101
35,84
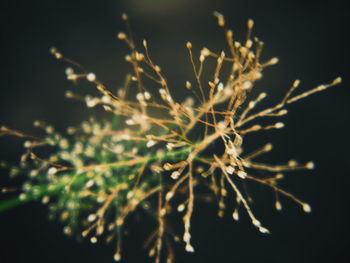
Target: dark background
x,y
309,37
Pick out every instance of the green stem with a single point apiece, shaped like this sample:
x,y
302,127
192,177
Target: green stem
x,y
15,201
11,202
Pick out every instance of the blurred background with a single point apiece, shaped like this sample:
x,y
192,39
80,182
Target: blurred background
x,y
310,39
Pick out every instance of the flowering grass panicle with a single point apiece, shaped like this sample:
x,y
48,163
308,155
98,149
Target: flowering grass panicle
x,y
155,151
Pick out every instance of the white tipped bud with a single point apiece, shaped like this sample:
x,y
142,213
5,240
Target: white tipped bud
x,y
257,75
181,208
125,137
69,71
167,166
100,230
67,230
292,163
228,91
250,23
118,149
169,195
169,98
27,144
150,143
90,102
92,218
221,19
169,146
162,212
268,147
205,52
175,175
33,173
140,97
249,43
201,58
58,55
107,108
37,123
139,56
188,85
264,230
189,45
130,195
127,58
162,92
278,205
69,94
247,85
310,165
53,50
337,81
157,68
120,221
117,257
221,125
147,95
49,129
273,61
279,125
279,176
235,215
91,77
189,248
106,99
45,199
230,169
64,144
52,171
262,95
242,174
251,104
321,87
84,233
89,183
130,122
144,43
124,16
220,86
306,208
121,35
22,197
151,252
296,83
243,50
93,240
282,112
